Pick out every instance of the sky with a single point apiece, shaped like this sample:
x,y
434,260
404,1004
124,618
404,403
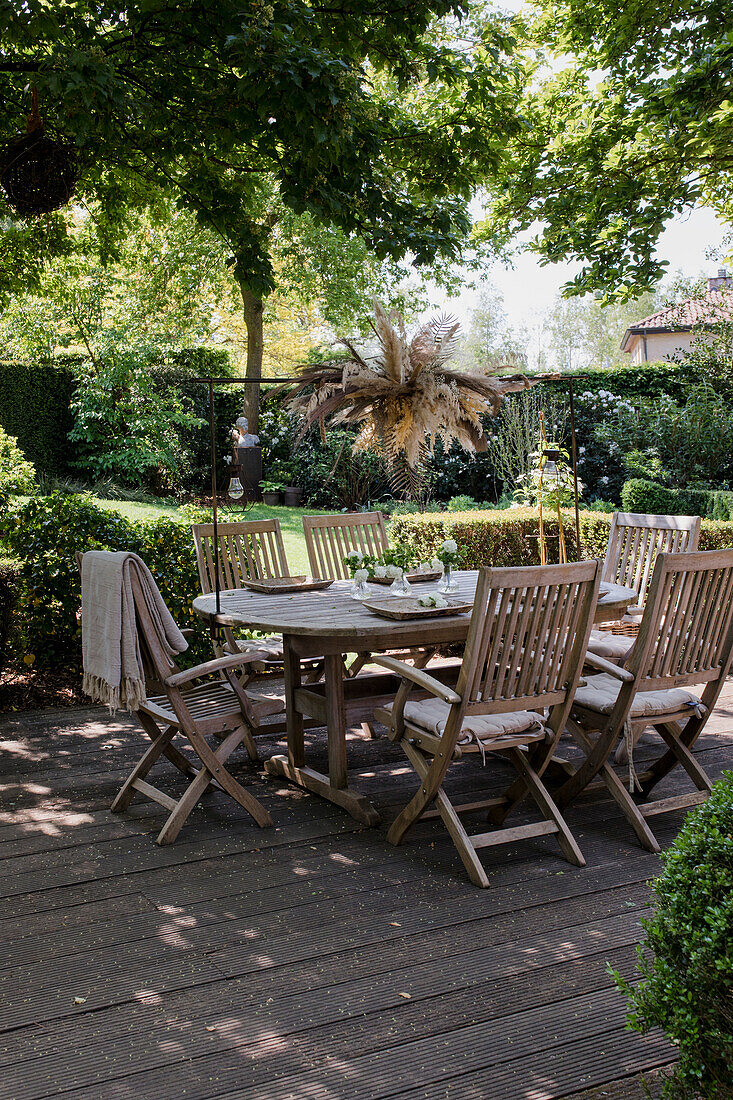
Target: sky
x,y
530,289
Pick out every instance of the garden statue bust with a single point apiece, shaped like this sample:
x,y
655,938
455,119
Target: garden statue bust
x,y
241,434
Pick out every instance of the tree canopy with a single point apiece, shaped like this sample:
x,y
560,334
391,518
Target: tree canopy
x,y
351,112
627,121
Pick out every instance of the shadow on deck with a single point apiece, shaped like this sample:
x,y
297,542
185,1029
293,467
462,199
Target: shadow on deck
x,y
311,961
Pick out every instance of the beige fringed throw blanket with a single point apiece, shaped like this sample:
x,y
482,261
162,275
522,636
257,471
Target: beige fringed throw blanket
x,y
113,668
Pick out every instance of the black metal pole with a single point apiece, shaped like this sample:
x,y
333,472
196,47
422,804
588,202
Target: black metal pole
x,y
212,426
574,454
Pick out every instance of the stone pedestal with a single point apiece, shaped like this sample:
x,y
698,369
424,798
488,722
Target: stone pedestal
x,y
249,460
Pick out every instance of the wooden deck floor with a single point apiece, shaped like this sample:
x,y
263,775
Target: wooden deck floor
x,y
311,961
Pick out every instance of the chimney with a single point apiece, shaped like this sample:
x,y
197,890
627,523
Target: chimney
x,y
722,281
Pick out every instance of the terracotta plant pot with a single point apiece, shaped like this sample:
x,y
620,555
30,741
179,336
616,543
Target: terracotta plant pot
x,y
293,495
273,499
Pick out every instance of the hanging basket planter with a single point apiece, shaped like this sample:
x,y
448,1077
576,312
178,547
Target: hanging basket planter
x,y
37,173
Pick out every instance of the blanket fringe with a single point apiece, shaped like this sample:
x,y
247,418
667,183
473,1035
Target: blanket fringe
x,y
128,695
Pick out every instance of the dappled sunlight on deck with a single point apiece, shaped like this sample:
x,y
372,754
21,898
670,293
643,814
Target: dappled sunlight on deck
x,y
311,961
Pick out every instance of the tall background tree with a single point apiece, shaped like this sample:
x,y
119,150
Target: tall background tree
x,y
627,122
366,118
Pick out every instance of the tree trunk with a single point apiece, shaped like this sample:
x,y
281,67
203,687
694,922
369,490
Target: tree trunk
x,y
255,342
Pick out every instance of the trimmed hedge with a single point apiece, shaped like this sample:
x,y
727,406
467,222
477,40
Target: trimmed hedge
x,y
504,538
497,537
35,408
9,575
641,495
686,962
642,380
45,533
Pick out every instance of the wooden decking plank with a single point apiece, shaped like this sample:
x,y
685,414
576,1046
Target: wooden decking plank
x,y
228,942
224,924
456,1057
104,978
112,1043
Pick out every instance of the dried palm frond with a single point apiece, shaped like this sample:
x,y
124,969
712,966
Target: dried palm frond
x,y
406,397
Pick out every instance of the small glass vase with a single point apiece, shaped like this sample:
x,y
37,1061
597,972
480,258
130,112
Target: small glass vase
x,y
447,582
359,590
400,586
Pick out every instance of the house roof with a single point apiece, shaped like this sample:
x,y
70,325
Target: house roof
x,y
714,305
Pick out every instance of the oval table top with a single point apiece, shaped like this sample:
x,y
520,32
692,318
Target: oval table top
x,y
331,612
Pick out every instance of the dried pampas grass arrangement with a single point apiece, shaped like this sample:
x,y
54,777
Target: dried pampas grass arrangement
x,y
405,398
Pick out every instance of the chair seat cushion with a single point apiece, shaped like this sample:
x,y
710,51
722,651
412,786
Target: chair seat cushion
x,y
272,646
614,647
601,692
432,714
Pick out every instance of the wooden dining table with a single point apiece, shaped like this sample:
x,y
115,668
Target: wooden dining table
x,y
327,624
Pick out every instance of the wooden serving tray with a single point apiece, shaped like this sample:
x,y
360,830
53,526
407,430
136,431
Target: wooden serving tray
x,y
407,607
413,578
276,586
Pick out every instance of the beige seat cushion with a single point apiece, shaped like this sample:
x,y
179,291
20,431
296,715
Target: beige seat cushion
x,y
272,646
601,692
614,647
432,714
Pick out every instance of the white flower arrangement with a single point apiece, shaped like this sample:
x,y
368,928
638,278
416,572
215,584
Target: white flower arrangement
x,y
355,555
433,599
393,571
450,546
380,571
435,563
360,576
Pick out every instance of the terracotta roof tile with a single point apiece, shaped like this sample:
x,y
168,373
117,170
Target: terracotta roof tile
x,y
714,305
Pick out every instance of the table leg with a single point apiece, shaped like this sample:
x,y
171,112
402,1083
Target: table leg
x,y
336,721
294,719
333,786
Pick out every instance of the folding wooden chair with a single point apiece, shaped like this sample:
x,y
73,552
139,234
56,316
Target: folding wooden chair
x,y
526,642
634,541
685,638
195,704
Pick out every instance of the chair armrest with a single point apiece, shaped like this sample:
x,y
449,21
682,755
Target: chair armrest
x,y
198,672
603,665
418,677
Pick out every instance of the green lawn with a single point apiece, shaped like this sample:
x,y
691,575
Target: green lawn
x,y
290,522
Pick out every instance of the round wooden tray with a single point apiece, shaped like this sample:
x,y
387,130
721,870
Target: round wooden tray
x,y
407,607
413,578
277,586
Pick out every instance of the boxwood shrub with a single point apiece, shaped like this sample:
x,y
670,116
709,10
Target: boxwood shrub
x,y
640,495
45,532
509,537
686,961
499,537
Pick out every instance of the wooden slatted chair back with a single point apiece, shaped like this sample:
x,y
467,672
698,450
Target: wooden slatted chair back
x,y
329,539
686,633
636,539
527,639
250,549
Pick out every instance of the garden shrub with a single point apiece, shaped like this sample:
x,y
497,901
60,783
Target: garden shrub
x,y
9,574
45,532
643,495
17,474
686,961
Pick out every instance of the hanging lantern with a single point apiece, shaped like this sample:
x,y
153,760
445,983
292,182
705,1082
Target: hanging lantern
x,y
236,489
37,173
